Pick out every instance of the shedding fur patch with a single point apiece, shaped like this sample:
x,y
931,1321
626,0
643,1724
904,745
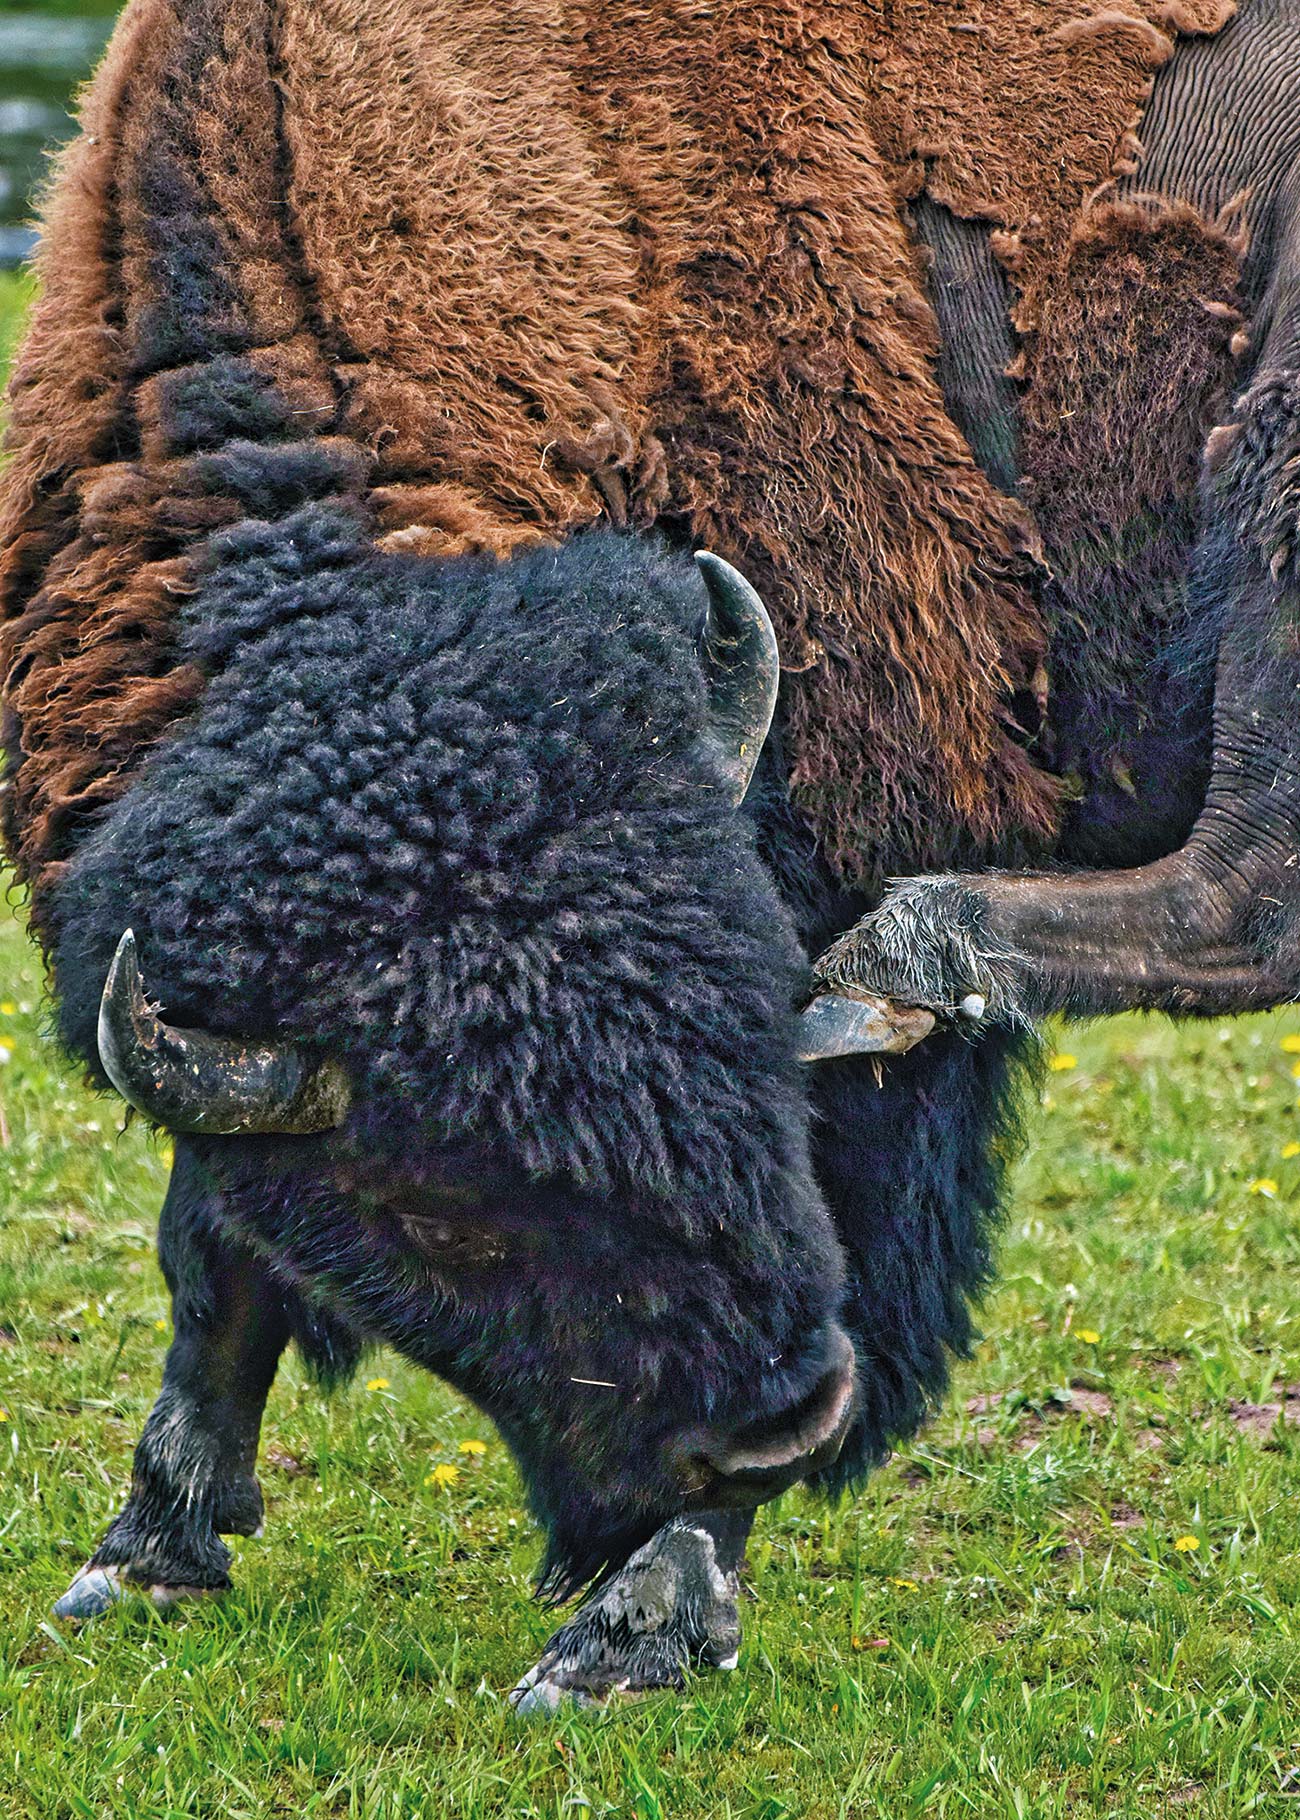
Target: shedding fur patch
x,y
535,269
1015,112
498,274
1132,363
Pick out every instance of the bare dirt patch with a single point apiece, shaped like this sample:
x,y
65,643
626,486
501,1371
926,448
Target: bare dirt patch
x,y
1029,1416
1094,1404
1260,1420
284,1461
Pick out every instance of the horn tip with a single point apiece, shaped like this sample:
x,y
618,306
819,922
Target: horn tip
x,y
734,595
717,569
123,989
718,577
123,970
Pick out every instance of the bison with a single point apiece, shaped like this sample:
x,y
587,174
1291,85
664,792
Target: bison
x,y
413,385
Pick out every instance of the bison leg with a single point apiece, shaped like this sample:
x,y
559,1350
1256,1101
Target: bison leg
x,y
670,1608
1215,927
193,1478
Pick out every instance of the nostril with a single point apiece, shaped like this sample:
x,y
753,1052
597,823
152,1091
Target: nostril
x,y
800,1438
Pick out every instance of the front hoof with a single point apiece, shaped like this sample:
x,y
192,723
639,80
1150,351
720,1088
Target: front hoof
x,y
932,943
96,1589
669,1609
91,1594
543,1692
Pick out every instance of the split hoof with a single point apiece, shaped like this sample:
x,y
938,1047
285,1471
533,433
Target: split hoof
x,y
91,1594
96,1589
669,1609
542,1693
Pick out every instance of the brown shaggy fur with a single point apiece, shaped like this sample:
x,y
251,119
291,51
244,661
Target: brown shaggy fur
x,y
1015,111
515,270
1131,365
75,593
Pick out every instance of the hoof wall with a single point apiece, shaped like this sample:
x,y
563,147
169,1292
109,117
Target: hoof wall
x,y
91,1594
95,1589
541,1696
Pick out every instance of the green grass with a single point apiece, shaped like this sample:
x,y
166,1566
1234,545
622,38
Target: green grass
x,y
1001,1625
65,9
15,294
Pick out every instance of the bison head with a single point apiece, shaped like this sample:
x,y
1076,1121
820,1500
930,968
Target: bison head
x,y
476,1003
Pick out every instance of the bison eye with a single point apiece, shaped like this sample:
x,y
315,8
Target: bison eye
x,y
455,1216
452,1244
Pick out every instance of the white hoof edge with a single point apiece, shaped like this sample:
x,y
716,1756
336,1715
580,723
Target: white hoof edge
x,y
96,1589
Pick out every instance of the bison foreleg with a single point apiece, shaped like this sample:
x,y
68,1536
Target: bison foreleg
x,y
670,1608
1214,927
193,1478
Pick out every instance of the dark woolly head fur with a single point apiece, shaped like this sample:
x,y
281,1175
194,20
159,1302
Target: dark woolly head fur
x,y
443,822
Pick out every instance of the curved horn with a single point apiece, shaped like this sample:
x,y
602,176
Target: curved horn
x,y
188,1080
741,672
833,1026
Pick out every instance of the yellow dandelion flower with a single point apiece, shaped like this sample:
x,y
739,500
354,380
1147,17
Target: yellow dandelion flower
x,y
443,1474
903,1585
1263,1184
1088,1335
475,1449
1290,1150
4,1413
8,1009
160,1325
1290,1045
376,1383
1295,1069
1062,1064
1187,1545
